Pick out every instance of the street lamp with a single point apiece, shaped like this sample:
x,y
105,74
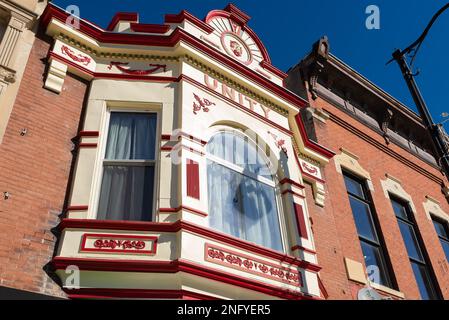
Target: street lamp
x,y
440,142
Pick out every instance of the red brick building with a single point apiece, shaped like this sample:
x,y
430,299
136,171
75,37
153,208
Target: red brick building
x,y
190,83
383,148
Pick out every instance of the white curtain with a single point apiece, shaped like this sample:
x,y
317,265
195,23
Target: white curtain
x,y
126,193
127,188
131,136
239,205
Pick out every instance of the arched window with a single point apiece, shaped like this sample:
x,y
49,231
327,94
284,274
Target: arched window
x,y
241,189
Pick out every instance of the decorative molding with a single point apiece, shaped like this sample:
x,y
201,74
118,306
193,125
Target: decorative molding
x,y
61,263
180,208
10,38
77,57
237,86
393,185
114,293
201,104
245,263
432,207
140,72
300,221
7,75
187,226
280,143
193,179
418,168
56,74
349,161
236,104
385,123
53,13
118,243
319,192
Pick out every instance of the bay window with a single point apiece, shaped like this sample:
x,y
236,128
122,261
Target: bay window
x,y
242,191
129,167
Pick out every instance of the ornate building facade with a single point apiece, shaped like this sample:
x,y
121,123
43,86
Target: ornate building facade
x,y
175,161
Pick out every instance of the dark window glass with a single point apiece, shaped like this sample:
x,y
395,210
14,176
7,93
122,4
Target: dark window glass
x,y
445,245
443,234
441,229
354,187
372,249
418,260
399,210
362,217
424,281
411,243
373,257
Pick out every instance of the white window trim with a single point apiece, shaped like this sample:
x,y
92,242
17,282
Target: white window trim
x,y
393,186
272,183
102,143
433,209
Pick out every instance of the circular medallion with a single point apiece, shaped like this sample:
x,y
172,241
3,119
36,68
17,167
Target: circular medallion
x,y
236,48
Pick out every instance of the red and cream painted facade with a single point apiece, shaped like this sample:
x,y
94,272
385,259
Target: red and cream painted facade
x,y
199,77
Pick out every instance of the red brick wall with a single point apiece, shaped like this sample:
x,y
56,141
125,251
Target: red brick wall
x,y
35,169
334,229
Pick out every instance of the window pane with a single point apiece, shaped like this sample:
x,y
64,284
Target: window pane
x,y
440,228
126,193
424,282
445,245
411,242
242,207
131,136
399,210
362,217
354,187
238,150
373,257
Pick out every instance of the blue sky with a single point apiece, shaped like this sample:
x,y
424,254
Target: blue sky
x,y
289,28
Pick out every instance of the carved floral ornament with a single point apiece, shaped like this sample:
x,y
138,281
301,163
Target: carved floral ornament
x,y
255,266
201,104
122,67
119,244
280,143
82,59
116,243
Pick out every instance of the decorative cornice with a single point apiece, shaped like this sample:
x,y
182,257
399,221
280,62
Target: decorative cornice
x,y
233,84
384,148
7,75
113,55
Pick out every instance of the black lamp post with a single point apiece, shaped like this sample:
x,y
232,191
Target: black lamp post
x,y
439,141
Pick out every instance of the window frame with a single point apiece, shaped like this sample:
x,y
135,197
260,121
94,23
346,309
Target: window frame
x,y
98,172
381,244
411,221
271,183
445,225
